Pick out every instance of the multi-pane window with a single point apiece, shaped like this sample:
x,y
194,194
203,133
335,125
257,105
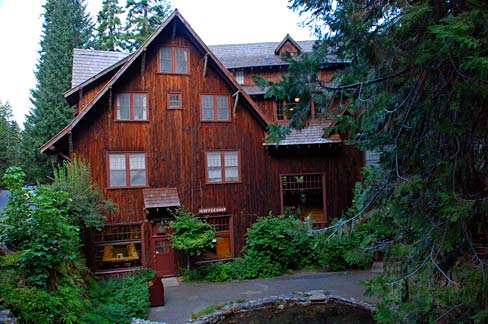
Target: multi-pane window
x,y
131,106
127,170
118,247
239,77
174,100
223,166
223,245
215,108
173,60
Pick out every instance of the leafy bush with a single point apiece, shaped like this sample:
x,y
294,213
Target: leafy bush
x,y
87,204
190,234
273,245
119,300
280,241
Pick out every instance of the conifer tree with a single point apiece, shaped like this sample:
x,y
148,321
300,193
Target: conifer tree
x,y
66,26
9,138
143,18
413,87
109,31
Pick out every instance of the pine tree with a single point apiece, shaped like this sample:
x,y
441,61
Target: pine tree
x,y
108,33
415,88
66,26
9,138
143,18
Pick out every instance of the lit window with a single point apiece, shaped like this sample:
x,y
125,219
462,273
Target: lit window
x,y
215,108
131,106
223,166
223,244
127,170
174,100
118,247
173,60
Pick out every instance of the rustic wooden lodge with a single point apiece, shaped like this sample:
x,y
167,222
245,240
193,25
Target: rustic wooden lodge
x,y
179,123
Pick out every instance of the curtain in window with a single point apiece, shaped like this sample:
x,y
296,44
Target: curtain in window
x,y
222,108
214,167
137,166
140,106
181,60
123,106
117,170
231,162
207,108
165,63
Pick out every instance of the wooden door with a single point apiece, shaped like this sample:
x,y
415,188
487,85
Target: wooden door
x,y
163,258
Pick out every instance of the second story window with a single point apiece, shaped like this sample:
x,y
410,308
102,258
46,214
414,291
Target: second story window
x,y
127,170
173,60
223,166
131,106
215,108
239,77
174,100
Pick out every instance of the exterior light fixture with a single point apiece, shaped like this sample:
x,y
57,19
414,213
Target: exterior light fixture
x,y
297,99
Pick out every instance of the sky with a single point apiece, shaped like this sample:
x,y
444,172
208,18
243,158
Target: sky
x,y
215,21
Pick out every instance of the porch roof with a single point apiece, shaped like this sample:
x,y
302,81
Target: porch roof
x,y
161,197
312,134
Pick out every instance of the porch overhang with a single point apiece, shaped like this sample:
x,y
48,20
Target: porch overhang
x,y
161,198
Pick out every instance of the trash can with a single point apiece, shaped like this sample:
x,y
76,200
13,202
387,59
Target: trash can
x,y
156,291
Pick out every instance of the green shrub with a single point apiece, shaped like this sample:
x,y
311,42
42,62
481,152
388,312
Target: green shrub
x,y
282,242
119,300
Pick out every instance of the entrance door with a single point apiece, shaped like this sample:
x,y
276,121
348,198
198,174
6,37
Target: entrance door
x,y
163,258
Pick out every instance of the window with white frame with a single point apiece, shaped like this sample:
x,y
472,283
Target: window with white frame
x,y
223,166
174,100
127,170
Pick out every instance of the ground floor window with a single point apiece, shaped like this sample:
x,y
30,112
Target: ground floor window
x,y
223,244
118,247
305,194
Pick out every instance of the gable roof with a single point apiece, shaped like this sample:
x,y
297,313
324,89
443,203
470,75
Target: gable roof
x,y
284,41
88,66
131,59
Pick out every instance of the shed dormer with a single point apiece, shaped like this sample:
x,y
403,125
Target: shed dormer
x,y
288,45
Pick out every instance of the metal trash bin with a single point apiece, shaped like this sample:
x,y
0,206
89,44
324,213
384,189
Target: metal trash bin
x,y
156,291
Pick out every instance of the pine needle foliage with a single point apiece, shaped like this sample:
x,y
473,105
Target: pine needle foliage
x,y
412,85
109,34
66,26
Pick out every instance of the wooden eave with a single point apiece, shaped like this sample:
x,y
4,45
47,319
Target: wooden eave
x,y
228,77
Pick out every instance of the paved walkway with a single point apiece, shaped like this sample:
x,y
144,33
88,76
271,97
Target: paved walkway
x,y
186,298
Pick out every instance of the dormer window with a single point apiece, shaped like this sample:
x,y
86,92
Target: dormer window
x,y
239,75
173,60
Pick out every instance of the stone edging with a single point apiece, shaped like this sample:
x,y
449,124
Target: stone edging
x,y
280,302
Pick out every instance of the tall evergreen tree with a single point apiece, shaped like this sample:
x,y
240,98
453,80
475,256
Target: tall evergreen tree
x,y
416,89
9,138
143,18
109,31
66,26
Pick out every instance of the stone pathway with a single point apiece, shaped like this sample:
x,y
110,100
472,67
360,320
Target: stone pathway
x,y
182,298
